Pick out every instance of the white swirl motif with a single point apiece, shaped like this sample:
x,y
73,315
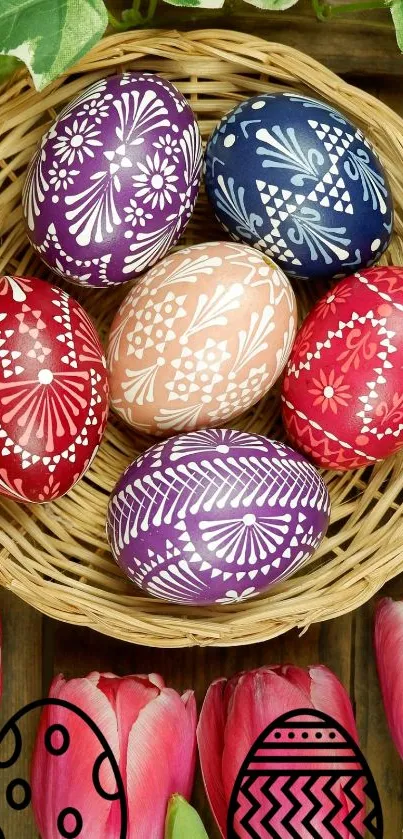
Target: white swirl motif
x,y
139,112
358,167
282,150
325,241
232,201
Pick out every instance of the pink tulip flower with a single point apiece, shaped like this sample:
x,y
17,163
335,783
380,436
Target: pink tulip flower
x,y
151,730
388,642
236,711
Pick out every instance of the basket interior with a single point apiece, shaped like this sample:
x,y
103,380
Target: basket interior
x,y
55,556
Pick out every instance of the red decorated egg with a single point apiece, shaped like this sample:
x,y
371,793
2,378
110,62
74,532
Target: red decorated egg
x,y
343,389
53,390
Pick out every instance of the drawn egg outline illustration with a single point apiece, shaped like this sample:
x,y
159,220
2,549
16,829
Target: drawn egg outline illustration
x,y
295,735
106,753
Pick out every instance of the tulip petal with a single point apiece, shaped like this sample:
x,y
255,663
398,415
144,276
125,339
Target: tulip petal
x,y
160,761
210,738
258,699
128,696
236,713
329,695
66,780
388,642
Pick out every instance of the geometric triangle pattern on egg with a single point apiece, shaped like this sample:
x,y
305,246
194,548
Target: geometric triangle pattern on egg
x,y
296,179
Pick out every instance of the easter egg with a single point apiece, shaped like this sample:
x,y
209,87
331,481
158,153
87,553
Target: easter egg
x,y
115,179
200,338
216,516
295,179
63,728
53,390
304,776
343,389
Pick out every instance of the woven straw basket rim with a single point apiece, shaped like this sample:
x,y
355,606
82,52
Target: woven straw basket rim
x,y
55,556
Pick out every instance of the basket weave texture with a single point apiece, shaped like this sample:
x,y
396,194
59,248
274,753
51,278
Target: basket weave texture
x,y
55,556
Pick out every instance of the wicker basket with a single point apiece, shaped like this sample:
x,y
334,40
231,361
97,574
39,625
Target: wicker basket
x,y
55,556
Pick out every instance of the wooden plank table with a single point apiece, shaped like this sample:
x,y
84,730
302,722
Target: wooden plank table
x,y
35,648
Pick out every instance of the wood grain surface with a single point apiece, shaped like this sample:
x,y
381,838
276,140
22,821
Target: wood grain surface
x,y
36,648
358,43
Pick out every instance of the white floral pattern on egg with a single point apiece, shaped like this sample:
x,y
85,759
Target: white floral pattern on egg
x,y
114,181
200,338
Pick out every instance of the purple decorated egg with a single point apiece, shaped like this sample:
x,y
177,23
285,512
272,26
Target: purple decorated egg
x,y
216,516
115,179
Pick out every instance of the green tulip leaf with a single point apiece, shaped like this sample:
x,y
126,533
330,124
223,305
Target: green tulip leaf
x,y
50,35
182,821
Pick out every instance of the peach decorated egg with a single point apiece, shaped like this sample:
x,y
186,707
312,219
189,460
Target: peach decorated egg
x,y
343,389
200,338
53,390
114,181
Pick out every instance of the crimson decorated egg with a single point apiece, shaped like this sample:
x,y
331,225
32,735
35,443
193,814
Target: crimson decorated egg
x,y
305,776
343,389
53,390
216,516
115,179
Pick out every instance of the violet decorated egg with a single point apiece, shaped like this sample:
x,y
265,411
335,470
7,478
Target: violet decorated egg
x,y
53,390
200,338
343,389
296,179
216,516
115,179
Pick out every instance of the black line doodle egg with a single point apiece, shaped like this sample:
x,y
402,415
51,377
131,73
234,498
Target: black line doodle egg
x,y
60,740
305,778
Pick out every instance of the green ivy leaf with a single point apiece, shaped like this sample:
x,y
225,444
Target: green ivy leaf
x,y
272,5
182,821
396,9
50,35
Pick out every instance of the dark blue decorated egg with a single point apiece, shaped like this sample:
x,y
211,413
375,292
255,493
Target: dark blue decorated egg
x,y
295,179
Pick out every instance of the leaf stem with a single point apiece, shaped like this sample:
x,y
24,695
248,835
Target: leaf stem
x,y
133,17
325,11
152,8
